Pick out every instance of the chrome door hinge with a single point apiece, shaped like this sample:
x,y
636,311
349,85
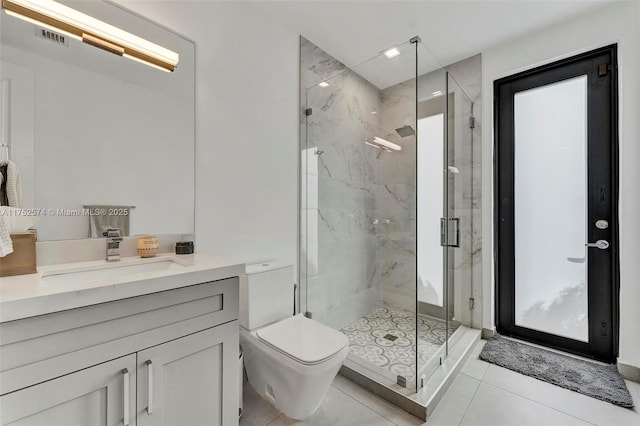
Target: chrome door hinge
x,y
308,112
472,122
472,303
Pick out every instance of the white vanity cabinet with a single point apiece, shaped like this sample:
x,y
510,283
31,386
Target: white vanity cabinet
x,y
165,358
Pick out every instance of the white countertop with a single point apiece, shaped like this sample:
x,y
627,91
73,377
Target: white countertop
x,y
24,296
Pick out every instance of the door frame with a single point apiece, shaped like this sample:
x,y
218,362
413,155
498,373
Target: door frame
x,y
503,166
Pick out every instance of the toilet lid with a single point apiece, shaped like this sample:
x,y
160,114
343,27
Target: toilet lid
x,y
304,340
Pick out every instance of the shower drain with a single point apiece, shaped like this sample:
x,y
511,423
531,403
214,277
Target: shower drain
x,y
390,337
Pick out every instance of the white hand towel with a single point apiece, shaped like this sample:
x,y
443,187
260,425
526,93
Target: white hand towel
x,y
6,246
14,186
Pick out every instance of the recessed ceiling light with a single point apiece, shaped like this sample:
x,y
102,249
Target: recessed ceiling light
x,y
392,53
437,93
374,112
323,84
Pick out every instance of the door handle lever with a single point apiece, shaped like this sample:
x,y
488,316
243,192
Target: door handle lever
x,y
601,244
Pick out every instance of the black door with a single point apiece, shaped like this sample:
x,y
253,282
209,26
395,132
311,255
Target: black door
x,y
556,195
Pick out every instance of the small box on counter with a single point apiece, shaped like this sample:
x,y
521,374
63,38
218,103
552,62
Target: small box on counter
x,y
23,259
184,247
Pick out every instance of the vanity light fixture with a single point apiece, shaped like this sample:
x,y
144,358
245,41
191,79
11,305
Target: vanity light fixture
x,y
58,17
391,53
324,84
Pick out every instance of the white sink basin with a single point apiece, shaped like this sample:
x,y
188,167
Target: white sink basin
x,y
107,271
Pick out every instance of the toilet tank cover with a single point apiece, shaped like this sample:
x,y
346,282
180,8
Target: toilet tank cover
x,y
303,339
271,265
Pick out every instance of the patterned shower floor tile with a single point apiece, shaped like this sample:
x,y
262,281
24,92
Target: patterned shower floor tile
x,y
386,338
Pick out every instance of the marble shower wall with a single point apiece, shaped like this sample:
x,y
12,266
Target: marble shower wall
x,y
338,239
395,188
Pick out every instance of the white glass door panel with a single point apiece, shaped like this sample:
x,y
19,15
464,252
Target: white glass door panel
x,y
550,202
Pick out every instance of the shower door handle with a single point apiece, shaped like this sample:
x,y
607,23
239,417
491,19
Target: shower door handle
x,y
601,244
450,232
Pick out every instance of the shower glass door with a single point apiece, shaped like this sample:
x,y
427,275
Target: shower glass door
x,y
444,216
459,213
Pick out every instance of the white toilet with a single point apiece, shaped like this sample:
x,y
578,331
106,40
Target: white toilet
x,y
290,360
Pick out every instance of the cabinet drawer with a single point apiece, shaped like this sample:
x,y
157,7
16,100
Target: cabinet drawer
x,y
39,348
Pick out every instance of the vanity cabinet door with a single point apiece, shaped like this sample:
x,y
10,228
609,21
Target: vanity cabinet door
x,y
99,395
191,381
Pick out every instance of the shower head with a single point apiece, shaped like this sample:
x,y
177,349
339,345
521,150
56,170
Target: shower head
x,y
405,131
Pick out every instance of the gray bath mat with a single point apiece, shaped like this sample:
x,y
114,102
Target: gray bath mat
x,y
599,381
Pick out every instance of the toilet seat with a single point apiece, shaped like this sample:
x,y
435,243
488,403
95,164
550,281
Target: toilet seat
x,y
304,340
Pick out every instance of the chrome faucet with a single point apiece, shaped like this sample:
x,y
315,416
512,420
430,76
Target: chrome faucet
x,y
113,244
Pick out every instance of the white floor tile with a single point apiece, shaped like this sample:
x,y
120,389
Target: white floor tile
x,y
485,395
338,409
565,400
494,406
634,390
374,402
256,410
475,367
454,403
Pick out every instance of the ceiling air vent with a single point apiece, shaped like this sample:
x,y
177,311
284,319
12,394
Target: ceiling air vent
x,y
57,38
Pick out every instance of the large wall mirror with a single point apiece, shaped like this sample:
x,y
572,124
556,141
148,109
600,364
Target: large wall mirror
x,y
90,130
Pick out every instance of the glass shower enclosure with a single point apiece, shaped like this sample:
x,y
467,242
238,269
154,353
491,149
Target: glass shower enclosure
x,y
385,215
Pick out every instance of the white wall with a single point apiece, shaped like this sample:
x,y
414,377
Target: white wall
x,y
246,126
616,23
